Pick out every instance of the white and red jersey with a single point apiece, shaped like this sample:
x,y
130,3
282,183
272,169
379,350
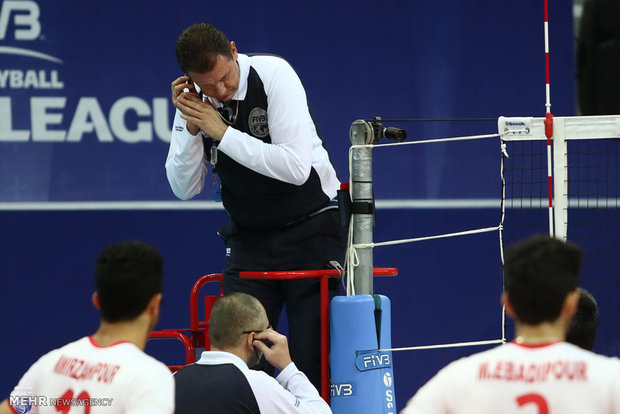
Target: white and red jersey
x,y
83,377
554,378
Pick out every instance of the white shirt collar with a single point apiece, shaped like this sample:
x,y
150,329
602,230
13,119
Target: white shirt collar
x,y
244,71
218,357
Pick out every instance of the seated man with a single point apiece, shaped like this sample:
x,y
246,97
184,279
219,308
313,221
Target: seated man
x,y
537,372
221,381
107,372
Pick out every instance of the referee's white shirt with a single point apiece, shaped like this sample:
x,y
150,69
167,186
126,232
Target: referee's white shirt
x,y
295,145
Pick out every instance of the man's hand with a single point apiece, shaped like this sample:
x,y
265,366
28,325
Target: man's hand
x,y
202,114
178,86
278,354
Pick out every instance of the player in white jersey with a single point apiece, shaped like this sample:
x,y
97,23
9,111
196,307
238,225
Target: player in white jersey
x,y
107,372
538,372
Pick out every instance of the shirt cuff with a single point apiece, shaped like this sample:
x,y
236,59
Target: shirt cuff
x,y
228,139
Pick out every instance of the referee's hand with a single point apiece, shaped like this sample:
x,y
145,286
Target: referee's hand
x,y
202,114
277,354
179,86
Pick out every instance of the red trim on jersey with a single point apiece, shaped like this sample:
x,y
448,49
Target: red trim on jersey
x,y
541,345
96,345
13,409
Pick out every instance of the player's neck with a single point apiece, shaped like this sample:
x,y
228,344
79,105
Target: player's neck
x,y
109,333
543,333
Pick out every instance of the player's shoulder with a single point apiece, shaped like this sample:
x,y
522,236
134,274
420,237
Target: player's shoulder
x,y
145,363
52,355
476,357
605,361
600,368
139,370
126,355
470,363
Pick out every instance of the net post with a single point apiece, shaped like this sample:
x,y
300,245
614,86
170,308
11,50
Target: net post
x,y
361,133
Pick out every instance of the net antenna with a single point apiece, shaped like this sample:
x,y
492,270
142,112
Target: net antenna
x,y
548,122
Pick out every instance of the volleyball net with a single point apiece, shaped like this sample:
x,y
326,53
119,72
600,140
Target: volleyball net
x,y
568,189
585,200
361,243
559,176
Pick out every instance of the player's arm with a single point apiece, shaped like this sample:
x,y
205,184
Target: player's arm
x,y
289,156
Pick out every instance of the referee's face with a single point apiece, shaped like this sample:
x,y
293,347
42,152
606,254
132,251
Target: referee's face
x,y
223,81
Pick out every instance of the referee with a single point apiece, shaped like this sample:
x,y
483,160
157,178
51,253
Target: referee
x,y
246,118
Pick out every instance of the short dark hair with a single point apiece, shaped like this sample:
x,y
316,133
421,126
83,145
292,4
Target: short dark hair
x,y
538,274
198,47
233,314
127,275
583,327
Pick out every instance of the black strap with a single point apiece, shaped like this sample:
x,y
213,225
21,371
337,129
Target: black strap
x,y
362,207
378,314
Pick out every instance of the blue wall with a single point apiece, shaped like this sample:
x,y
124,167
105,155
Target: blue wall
x,y
69,124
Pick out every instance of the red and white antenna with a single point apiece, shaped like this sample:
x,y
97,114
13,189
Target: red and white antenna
x,y
548,122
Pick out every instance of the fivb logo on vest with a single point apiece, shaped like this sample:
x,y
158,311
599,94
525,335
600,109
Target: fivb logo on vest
x,y
257,121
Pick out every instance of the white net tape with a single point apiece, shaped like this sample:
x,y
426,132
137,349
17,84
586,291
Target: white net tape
x,y
440,346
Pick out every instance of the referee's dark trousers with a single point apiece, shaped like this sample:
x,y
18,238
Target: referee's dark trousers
x,y
307,244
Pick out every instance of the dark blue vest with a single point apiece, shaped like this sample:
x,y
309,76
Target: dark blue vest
x,y
251,199
213,389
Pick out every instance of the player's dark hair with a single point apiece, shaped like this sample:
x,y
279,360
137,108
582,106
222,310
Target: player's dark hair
x,y
127,275
198,47
583,327
233,314
538,274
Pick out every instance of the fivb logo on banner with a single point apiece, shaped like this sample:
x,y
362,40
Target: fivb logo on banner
x,y
20,22
28,25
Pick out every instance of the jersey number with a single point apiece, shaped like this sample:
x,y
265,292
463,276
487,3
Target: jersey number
x,y
64,402
537,399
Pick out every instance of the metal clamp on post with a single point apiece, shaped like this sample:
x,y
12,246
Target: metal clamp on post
x,y
363,207
347,207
